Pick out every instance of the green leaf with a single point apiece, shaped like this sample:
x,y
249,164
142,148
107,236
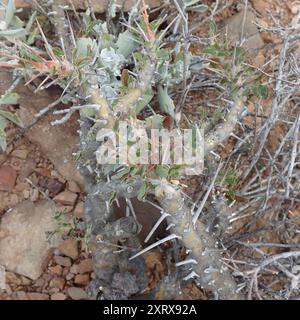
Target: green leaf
x,y
11,117
175,171
162,171
198,8
189,3
212,28
11,98
121,173
142,191
145,99
10,11
17,33
113,197
58,52
30,21
165,102
3,144
155,122
84,47
126,43
260,91
16,23
89,112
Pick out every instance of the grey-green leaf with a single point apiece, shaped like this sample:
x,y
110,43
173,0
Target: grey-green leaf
x,y
165,102
84,46
11,98
198,8
3,144
11,117
142,191
126,43
10,11
146,98
16,33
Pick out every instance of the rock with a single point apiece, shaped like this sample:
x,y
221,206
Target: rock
x,y
69,276
251,34
5,76
85,266
24,246
56,269
77,293
23,3
20,153
58,143
66,271
58,296
39,283
34,195
57,283
27,168
82,279
13,200
12,278
26,194
63,261
25,281
260,6
69,248
66,198
21,295
73,187
22,186
65,209
37,296
79,210
53,290
52,185
8,178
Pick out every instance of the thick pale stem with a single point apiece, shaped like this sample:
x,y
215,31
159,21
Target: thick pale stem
x,y
213,276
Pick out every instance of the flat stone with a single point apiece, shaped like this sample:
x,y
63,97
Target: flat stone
x,y
24,245
58,296
58,270
69,276
79,210
13,278
82,279
20,153
251,34
85,266
21,295
57,282
73,187
66,198
77,293
37,296
8,177
69,248
34,194
63,261
58,143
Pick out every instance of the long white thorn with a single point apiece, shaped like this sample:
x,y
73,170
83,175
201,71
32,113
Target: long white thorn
x,y
188,261
159,221
191,275
157,243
